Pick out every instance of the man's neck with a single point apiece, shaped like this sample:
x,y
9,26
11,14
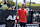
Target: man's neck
x,y
22,8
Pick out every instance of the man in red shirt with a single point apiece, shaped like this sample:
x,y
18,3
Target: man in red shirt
x,y
22,16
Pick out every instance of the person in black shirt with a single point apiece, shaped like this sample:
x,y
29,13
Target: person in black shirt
x,y
0,6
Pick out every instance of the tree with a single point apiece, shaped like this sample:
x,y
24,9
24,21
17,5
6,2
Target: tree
x,y
26,4
19,4
1,2
14,3
9,3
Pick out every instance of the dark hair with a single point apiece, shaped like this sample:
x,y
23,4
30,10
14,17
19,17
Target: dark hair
x,y
5,3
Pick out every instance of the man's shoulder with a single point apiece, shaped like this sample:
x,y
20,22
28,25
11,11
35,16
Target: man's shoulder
x,y
24,9
19,9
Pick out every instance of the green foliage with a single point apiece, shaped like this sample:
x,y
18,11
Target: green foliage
x,y
8,5
26,4
19,4
8,1
14,3
1,2
35,4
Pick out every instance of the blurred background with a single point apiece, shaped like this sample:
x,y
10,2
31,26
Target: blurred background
x,y
33,5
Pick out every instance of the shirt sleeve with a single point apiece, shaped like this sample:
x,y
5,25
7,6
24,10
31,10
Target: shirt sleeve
x,y
27,11
18,12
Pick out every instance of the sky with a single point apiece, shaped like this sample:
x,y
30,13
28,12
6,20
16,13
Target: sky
x,y
21,1
36,1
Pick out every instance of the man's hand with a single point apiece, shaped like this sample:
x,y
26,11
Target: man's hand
x,y
15,21
15,24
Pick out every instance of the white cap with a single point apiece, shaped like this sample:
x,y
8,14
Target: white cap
x,y
13,7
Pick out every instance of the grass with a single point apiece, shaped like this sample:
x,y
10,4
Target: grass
x,y
35,4
32,4
27,4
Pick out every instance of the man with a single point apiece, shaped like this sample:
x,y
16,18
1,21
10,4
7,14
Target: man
x,y
4,7
22,16
0,5
13,8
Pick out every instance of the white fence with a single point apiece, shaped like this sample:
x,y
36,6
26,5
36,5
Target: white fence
x,y
3,25
29,25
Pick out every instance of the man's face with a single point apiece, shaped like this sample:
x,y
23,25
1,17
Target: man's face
x,y
23,5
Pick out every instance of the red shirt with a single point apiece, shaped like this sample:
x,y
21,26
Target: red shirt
x,y
22,15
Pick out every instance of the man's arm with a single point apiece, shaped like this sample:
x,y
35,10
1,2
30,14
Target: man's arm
x,y
17,16
16,19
